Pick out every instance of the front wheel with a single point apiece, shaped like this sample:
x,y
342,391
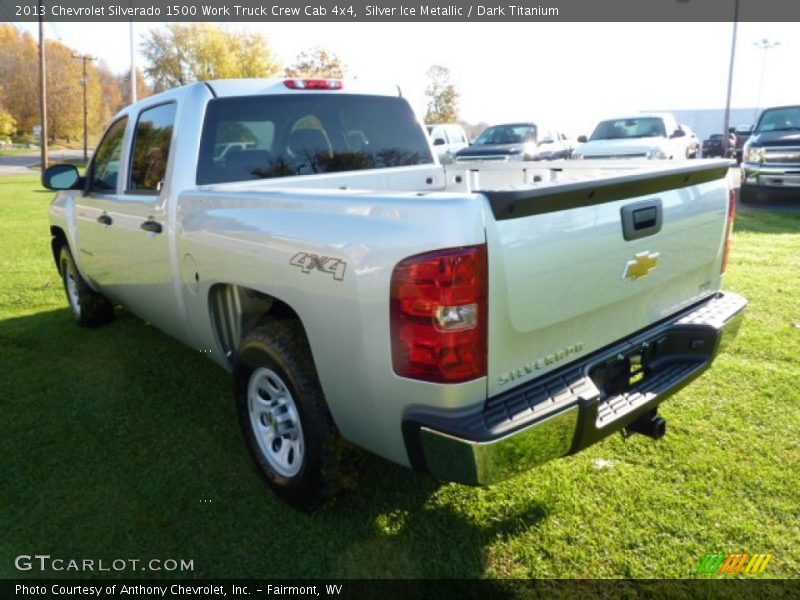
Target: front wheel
x,y
748,194
283,414
88,307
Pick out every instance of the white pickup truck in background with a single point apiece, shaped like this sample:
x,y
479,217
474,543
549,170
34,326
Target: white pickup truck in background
x,y
447,139
470,321
650,136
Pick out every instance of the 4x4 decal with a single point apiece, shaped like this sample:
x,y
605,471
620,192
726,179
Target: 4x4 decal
x,y
308,262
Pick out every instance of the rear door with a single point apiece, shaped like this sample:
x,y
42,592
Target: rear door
x,y
565,281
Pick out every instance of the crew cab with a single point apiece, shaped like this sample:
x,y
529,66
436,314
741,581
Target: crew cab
x,y
469,321
648,136
771,157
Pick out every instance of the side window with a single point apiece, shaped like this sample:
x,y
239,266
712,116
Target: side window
x,y
151,142
438,133
105,164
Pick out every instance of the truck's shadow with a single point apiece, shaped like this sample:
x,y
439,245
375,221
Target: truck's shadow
x,y
121,442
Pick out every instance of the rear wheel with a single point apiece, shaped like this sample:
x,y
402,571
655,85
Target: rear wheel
x,y
283,415
88,307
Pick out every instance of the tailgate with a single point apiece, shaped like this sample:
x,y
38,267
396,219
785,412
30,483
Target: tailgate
x,y
563,279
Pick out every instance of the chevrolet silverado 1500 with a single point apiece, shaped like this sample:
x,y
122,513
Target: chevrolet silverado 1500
x,y
471,320
771,157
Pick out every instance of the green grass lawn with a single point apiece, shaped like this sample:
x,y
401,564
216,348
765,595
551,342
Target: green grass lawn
x,y
120,442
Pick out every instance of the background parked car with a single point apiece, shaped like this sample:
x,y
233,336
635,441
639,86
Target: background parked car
x,y
771,155
742,135
653,136
712,147
517,141
692,142
447,139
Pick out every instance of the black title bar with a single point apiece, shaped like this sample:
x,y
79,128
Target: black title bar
x,y
536,11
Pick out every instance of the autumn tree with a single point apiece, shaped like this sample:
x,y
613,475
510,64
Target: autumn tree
x,y
184,53
317,63
143,89
442,96
18,59
8,124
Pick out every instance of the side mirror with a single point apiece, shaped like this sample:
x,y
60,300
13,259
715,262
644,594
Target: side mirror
x,y
582,139
438,142
678,133
61,177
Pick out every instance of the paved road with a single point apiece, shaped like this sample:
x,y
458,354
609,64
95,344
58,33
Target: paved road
x,y
18,164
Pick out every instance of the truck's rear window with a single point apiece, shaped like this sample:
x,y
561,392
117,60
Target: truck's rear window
x,y
260,137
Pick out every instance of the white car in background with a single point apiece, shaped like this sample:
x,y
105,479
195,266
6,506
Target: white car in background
x,y
692,143
447,139
649,136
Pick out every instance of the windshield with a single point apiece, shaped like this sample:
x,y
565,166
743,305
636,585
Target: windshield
x,y
261,137
507,134
779,119
620,129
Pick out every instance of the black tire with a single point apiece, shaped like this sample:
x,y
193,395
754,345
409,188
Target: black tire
x,y
89,308
748,194
280,347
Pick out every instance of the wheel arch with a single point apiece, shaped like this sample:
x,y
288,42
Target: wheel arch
x,y
236,310
58,238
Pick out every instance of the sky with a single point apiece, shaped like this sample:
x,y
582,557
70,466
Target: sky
x,y
568,74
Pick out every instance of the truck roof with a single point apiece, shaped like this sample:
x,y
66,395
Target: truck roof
x,y
225,88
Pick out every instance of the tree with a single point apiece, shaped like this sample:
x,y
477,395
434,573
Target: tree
x,y
65,92
143,90
180,54
8,124
18,74
317,63
442,96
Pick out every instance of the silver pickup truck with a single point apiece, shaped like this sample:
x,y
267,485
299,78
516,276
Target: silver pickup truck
x,y
470,321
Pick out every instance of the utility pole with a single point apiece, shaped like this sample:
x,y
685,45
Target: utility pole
x,y
764,44
85,82
42,97
727,123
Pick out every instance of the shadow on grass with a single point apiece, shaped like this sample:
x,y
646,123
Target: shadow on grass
x,y
121,442
773,218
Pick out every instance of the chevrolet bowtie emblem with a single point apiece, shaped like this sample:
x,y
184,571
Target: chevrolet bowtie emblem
x,y
641,265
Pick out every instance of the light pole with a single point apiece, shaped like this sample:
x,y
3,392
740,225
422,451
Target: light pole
x,y
764,44
727,123
85,58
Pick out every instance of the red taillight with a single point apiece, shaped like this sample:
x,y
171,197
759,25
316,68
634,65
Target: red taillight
x,y
438,309
729,231
313,84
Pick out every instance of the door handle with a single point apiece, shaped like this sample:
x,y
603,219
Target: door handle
x,y
104,219
151,226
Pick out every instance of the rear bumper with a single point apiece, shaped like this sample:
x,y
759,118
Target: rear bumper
x,y
575,406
